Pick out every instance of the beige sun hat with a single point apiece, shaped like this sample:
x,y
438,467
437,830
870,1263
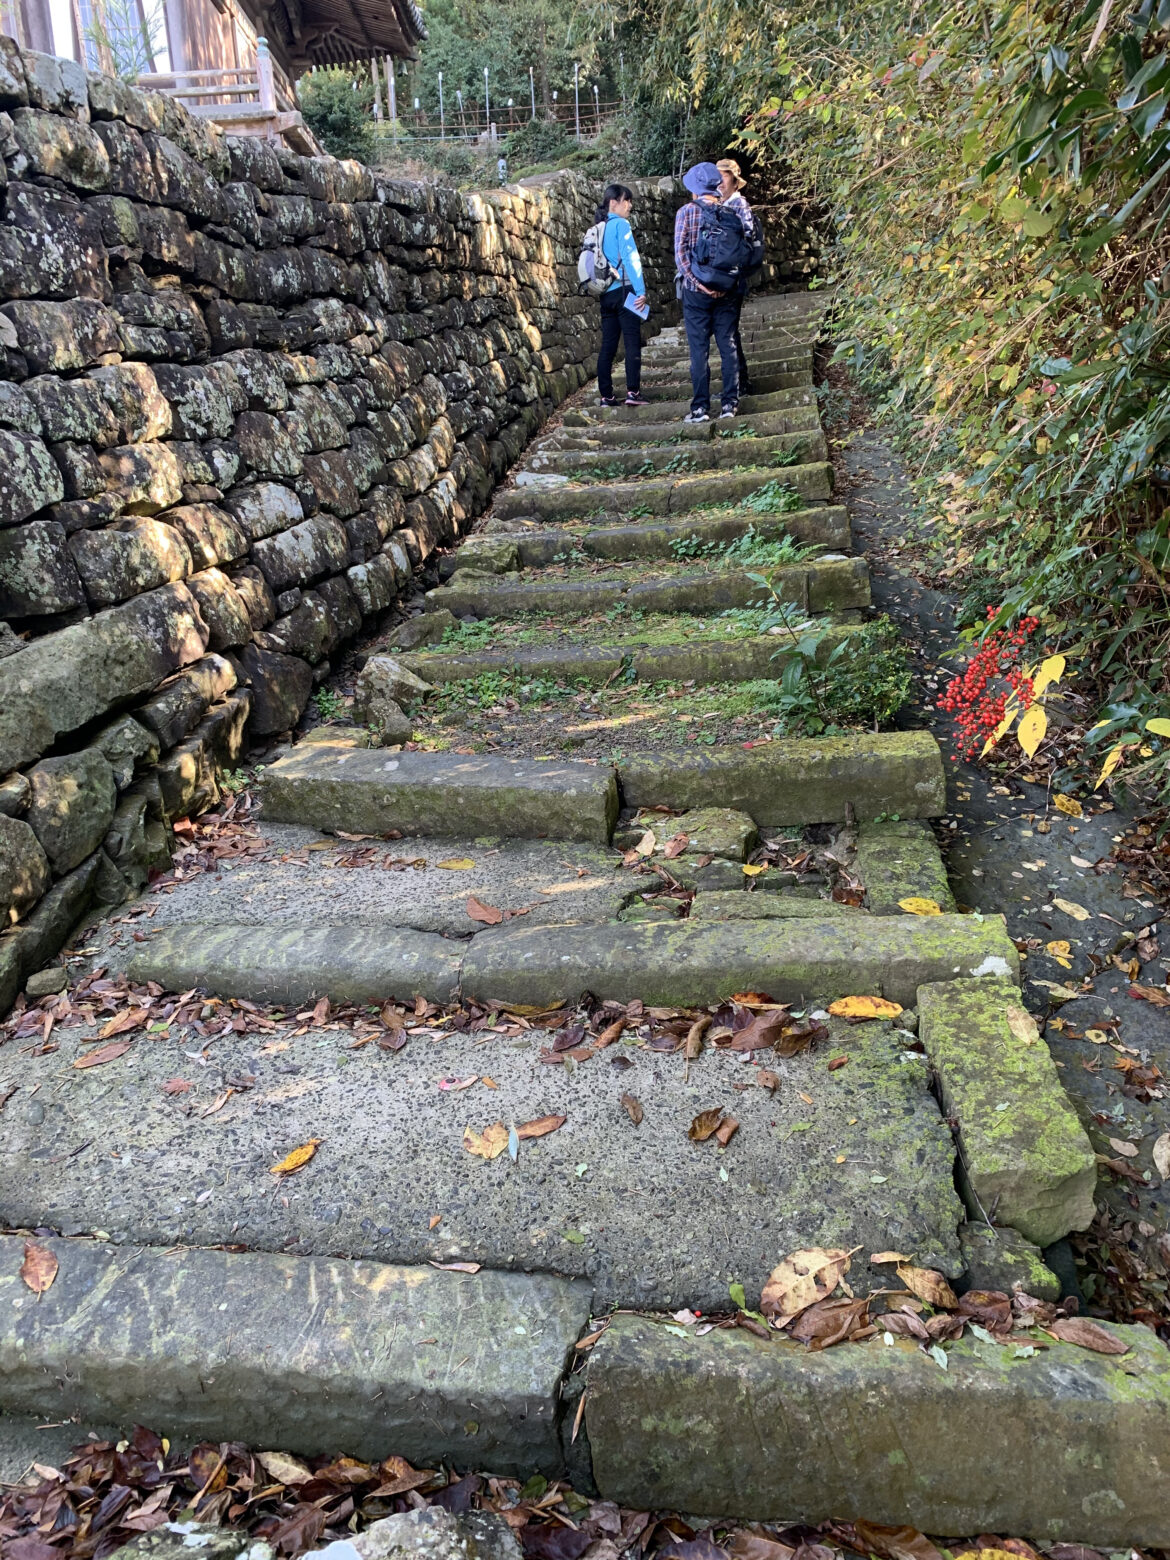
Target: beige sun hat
x,y
729,165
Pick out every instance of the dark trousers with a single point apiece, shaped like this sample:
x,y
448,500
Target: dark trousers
x,y
703,317
619,324
745,384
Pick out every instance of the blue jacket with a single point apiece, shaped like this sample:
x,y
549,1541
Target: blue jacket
x,y
620,250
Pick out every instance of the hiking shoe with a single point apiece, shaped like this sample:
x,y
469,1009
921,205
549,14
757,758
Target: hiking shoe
x,y
636,398
608,400
730,408
697,417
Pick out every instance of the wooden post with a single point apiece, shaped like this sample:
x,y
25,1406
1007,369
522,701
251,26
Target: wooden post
x,y
391,90
377,75
264,76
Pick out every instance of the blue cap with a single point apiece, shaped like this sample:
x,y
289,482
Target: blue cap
x,y
703,179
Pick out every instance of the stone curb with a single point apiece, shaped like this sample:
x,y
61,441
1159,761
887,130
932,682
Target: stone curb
x,y
769,1431
677,963
311,1355
538,545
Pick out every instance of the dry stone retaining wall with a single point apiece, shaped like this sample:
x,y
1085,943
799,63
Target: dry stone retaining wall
x,y
244,395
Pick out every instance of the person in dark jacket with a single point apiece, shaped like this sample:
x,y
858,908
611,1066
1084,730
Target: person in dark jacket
x,y
619,323
731,195
706,311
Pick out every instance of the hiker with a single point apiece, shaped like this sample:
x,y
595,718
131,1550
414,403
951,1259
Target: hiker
x,y
623,303
732,196
711,253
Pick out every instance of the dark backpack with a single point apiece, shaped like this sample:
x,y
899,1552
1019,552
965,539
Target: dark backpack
x,y
722,254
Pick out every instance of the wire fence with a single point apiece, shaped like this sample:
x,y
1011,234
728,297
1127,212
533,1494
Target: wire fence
x,y
468,124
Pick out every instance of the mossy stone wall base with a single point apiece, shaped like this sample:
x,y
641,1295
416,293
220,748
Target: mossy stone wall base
x,y
1025,1160
1066,1444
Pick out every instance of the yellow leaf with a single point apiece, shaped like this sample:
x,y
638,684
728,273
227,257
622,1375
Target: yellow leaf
x,y
1070,907
298,1157
1112,759
864,1007
753,871
1059,949
489,1144
645,846
889,1256
1050,672
1033,725
1022,1024
1001,730
920,906
456,864
1159,726
1069,806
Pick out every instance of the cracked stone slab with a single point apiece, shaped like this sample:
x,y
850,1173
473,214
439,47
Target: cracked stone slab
x,y
310,1354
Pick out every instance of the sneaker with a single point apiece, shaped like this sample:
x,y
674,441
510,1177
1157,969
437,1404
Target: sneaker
x,y
697,417
729,410
608,400
636,398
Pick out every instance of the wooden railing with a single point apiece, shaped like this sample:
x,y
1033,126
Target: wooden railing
x,y
241,99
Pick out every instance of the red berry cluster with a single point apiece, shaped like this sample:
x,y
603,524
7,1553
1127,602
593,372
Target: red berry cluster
x,y
977,710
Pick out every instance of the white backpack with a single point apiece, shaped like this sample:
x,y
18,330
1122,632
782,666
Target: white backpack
x,y
595,274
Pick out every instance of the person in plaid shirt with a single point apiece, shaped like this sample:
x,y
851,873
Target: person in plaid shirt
x,y
706,311
732,195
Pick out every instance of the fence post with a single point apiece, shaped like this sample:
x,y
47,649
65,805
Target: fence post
x,y
264,76
391,90
377,75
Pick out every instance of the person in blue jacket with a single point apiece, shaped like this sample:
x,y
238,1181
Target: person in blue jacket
x,y
617,322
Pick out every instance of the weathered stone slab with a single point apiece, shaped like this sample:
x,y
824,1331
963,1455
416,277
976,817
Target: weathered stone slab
x,y
539,545
733,905
297,965
731,1425
1025,1159
306,1354
999,1258
63,680
679,964
899,861
72,805
24,869
364,791
798,780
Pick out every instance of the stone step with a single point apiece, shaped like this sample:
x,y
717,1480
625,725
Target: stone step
x,y
766,1429
830,585
603,464
797,780
678,384
679,366
774,401
588,422
665,964
368,791
595,661
538,546
659,496
270,1365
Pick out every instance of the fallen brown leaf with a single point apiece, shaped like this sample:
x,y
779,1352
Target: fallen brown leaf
x,y
929,1286
895,1543
704,1124
489,1144
633,1109
800,1280
726,1130
768,1079
177,1086
541,1127
39,1268
487,914
1088,1334
105,1053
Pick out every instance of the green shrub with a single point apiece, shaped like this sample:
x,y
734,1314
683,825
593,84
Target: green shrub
x,y
540,140
337,107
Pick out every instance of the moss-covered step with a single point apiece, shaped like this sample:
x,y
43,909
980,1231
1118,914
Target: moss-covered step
x,y
1025,1160
369,791
729,905
768,357
701,660
685,964
899,859
797,781
749,405
130,1335
589,422
832,586
764,383
538,546
763,1429
660,496
607,465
